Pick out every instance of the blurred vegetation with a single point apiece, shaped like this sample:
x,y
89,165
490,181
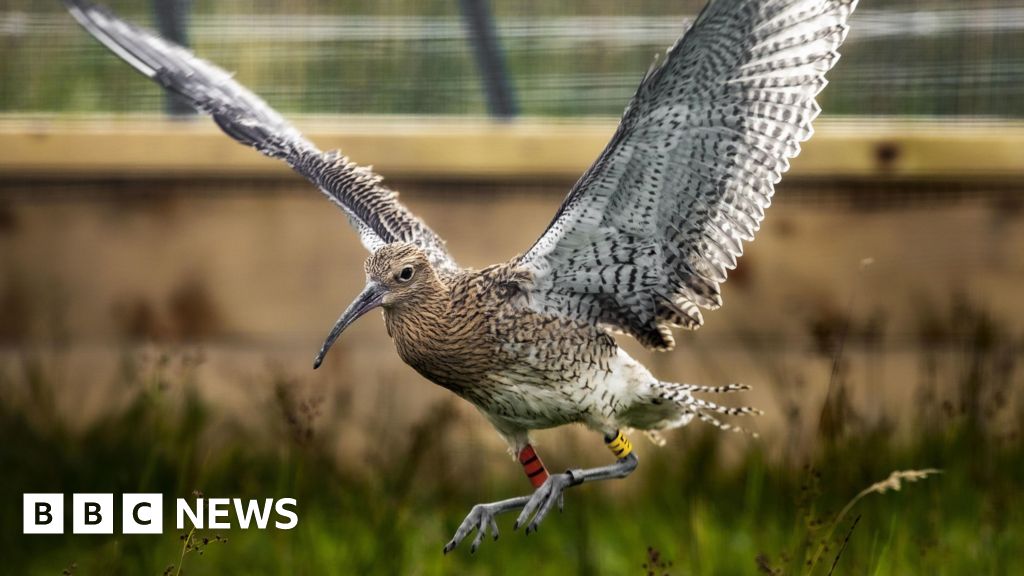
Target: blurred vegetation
x,y
389,509
572,58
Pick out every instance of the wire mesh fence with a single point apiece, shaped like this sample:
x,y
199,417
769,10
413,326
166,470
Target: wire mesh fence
x,y
574,58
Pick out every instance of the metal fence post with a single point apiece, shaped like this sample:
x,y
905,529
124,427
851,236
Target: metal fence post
x,y
172,22
501,100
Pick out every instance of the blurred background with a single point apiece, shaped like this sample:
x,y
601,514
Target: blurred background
x,y
163,291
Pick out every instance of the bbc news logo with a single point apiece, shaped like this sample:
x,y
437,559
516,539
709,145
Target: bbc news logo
x,y
143,513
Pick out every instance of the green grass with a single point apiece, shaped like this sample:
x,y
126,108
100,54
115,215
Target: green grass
x,y
389,510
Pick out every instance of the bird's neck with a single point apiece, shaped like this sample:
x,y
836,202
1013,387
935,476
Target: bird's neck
x,y
419,325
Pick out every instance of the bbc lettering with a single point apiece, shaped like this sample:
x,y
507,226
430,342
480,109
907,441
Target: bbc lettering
x,y
93,513
143,513
43,513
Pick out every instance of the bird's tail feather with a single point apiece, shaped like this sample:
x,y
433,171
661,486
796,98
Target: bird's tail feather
x,y
681,395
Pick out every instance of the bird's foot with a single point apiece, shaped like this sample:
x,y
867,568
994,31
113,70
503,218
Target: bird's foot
x,y
481,519
545,498
537,505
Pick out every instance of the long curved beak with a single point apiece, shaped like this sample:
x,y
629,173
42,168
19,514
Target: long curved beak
x,y
368,299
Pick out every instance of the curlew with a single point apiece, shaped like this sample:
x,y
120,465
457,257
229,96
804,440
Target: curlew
x,y
641,244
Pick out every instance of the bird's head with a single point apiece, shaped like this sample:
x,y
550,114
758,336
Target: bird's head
x,y
403,273
397,275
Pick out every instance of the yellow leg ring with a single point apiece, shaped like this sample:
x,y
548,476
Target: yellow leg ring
x,y
620,445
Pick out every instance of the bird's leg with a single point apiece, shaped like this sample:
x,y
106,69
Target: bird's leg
x,y
481,517
550,492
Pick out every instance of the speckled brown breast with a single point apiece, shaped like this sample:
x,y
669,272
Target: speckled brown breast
x,y
480,340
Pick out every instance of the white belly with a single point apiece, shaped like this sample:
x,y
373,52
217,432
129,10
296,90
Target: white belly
x,y
606,397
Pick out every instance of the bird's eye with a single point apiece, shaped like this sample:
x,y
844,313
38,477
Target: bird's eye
x,y
405,275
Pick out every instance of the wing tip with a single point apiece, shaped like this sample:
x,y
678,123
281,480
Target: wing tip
x,y
95,20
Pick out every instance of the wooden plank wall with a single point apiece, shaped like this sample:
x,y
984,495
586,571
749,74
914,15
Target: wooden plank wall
x,y
456,148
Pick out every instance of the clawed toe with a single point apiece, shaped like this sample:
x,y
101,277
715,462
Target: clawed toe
x,y
481,519
549,495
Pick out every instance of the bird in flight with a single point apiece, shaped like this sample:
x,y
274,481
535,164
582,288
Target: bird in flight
x,y
640,245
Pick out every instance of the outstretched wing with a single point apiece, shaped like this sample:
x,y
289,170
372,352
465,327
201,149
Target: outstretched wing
x,y
373,210
650,231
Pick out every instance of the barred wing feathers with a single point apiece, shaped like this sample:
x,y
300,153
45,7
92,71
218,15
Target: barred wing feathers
x,y
372,209
648,234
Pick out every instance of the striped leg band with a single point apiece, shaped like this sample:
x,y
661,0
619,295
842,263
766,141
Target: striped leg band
x,y
533,467
619,445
